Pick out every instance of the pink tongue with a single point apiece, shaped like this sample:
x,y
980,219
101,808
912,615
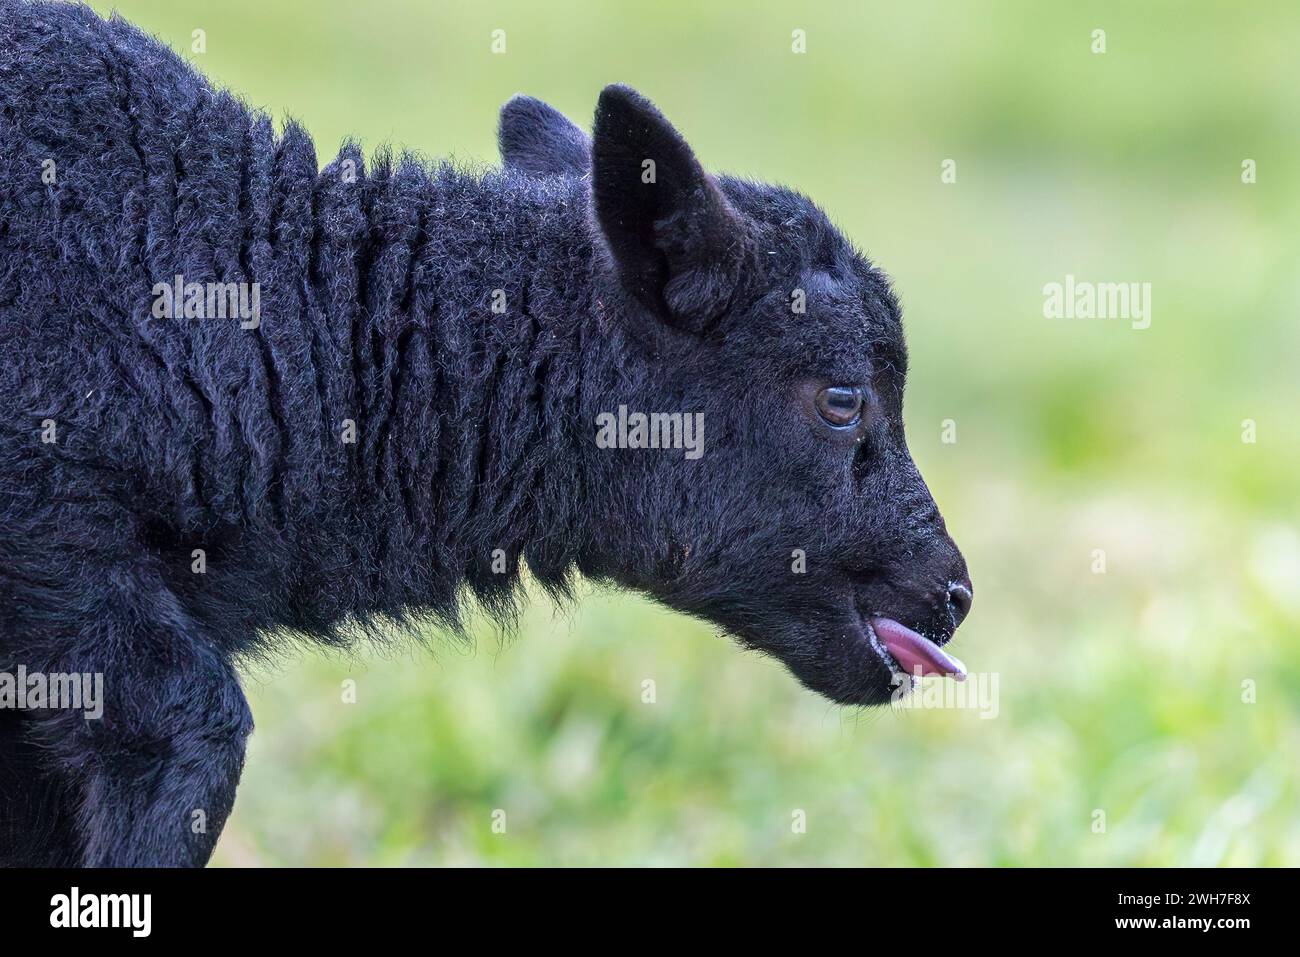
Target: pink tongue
x,y
914,651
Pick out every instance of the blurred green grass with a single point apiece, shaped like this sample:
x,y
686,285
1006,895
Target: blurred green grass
x,y
1120,692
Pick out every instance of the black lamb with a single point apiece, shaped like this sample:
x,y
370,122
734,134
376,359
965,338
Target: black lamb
x,y
245,398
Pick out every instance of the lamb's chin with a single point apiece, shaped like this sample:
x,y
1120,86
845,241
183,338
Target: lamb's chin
x,y
844,664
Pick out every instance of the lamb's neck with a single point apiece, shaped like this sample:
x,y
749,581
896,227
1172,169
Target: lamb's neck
x,y
471,298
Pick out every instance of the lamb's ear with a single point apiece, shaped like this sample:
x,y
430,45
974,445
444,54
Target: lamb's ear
x,y
539,140
676,242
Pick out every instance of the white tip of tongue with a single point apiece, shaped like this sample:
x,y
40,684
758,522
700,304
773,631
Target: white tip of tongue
x,y
959,671
916,653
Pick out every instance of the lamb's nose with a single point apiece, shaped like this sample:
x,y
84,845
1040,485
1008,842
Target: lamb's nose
x,y
959,599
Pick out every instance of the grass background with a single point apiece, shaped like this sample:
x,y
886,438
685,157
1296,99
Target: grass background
x,y
1120,692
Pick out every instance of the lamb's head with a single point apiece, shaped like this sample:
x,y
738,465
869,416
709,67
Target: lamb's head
x,y
773,494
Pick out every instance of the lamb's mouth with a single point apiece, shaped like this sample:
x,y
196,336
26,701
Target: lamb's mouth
x,y
905,652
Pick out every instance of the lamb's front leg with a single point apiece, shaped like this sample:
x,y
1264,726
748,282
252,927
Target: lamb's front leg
x,y
37,807
156,773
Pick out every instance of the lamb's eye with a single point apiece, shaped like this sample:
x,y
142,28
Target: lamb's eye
x,y
840,405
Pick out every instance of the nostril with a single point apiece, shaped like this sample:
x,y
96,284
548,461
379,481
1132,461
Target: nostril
x,y
959,599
